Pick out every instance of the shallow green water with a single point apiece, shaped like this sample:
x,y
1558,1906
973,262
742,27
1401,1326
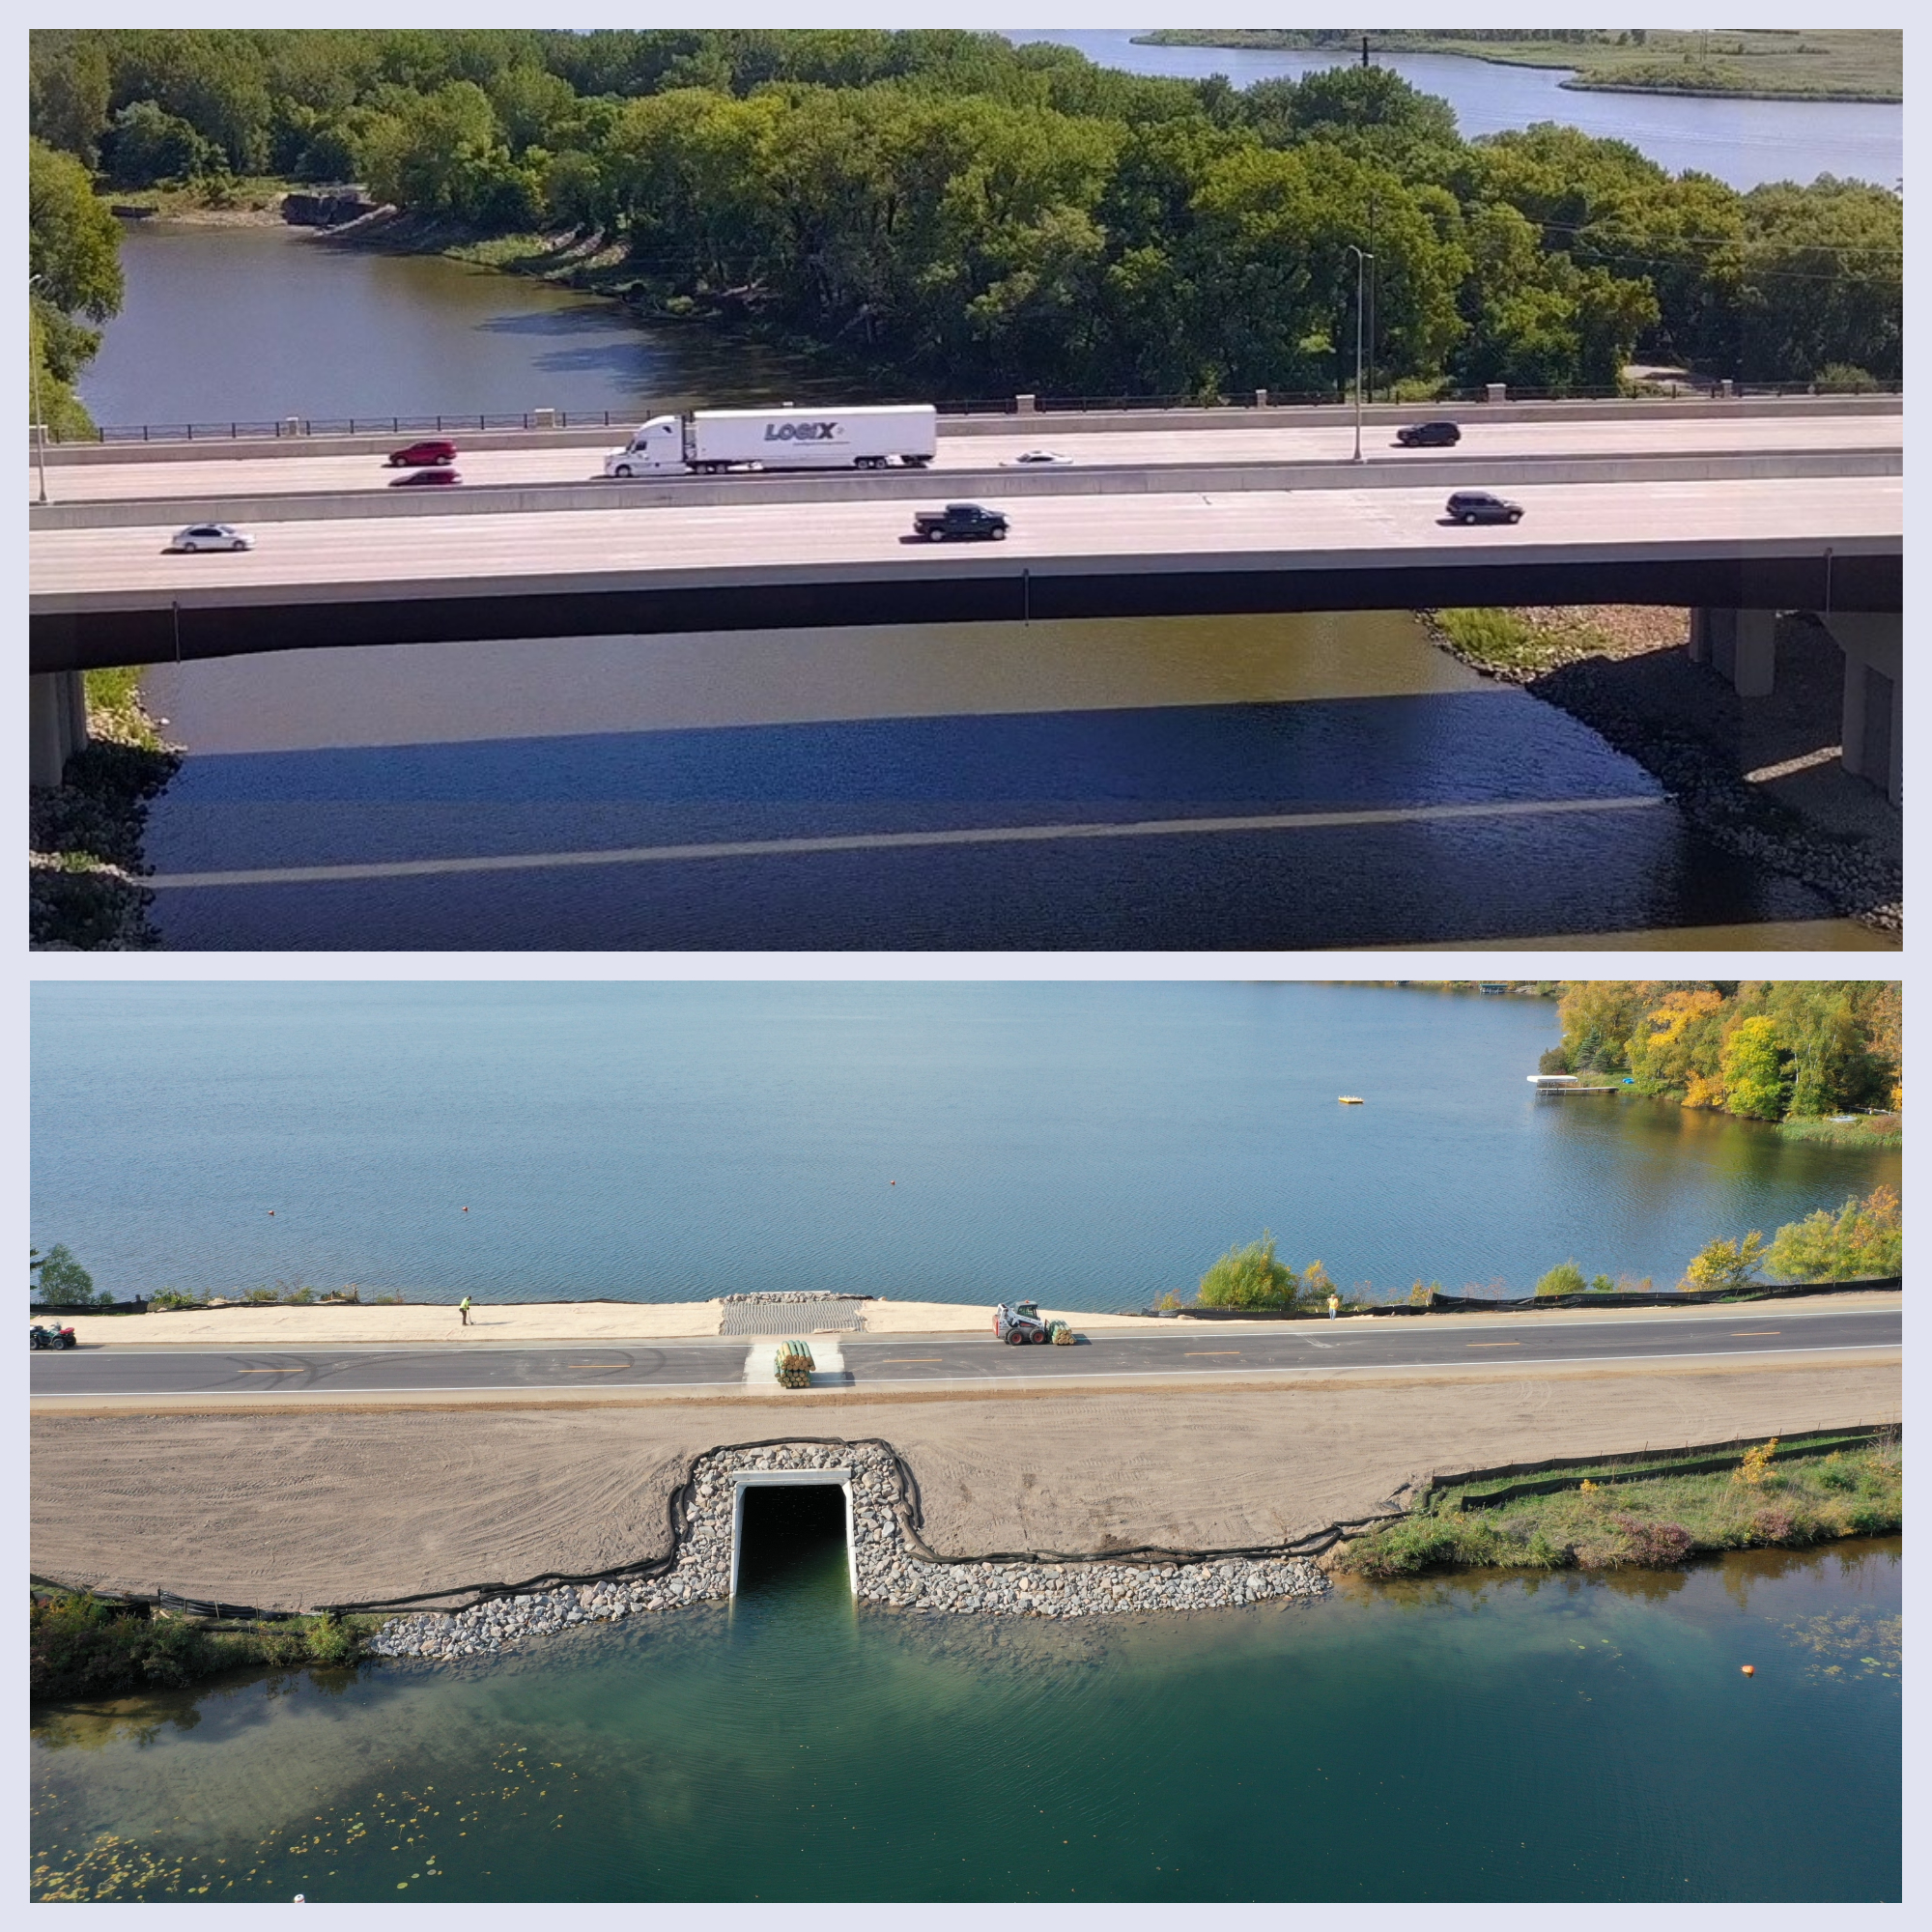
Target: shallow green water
x,y
1466,1738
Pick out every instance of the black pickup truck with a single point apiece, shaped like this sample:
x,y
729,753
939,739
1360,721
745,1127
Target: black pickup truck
x,y
958,520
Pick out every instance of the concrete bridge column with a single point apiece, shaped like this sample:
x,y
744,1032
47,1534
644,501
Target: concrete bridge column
x,y
1874,725
56,724
1740,645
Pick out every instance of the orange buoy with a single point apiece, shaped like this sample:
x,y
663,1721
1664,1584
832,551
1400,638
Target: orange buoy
x,y
1750,1670
466,1210
272,1214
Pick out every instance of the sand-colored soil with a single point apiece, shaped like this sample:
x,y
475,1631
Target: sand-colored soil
x,y
538,1321
287,1509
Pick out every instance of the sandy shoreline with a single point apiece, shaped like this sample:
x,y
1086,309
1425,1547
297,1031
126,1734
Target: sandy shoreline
x,y
539,1321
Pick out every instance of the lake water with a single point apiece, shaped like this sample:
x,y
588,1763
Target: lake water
x,y
1467,1738
1093,1145
1744,143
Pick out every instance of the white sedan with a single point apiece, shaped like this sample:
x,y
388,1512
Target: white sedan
x,y
211,536
1033,457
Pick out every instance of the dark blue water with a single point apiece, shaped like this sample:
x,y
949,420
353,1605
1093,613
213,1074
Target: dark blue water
x,y
550,802
1092,1144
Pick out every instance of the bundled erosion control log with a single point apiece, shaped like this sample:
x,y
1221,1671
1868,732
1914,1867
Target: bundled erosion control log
x,y
794,1365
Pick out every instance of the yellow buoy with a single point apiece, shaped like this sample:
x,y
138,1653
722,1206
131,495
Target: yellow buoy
x,y
1750,1670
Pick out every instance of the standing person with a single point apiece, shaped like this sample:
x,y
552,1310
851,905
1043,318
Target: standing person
x,y
1334,1305
464,1306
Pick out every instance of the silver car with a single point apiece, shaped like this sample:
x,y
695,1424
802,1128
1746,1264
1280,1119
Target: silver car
x,y
211,536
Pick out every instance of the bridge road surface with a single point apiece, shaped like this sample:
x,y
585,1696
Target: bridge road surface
x,y
879,1362
217,475
327,561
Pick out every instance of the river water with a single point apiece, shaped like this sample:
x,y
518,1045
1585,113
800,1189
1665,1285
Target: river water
x,y
1744,143
1466,1738
661,794
1096,1145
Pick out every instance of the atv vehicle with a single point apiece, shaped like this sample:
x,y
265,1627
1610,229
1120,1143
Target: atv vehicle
x,y
1021,1322
50,1337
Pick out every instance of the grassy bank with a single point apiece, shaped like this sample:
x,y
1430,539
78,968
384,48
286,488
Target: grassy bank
x,y
1855,64
227,201
1866,1131
1620,1514
82,1647
84,835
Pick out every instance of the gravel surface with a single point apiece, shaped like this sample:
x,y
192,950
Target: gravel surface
x,y
894,1568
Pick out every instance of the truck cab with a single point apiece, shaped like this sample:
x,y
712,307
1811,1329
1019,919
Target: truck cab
x,y
656,447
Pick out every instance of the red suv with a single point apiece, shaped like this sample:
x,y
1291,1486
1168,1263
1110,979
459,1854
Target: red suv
x,y
419,455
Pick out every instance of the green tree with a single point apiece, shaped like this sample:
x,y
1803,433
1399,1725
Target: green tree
x,y
73,260
1565,1278
63,1280
146,145
70,82
1864,1241
1725,1265
1757,1082
1249,1277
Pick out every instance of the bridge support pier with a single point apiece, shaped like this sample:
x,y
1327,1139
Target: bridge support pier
x,y
1873,734
56,724
1737,644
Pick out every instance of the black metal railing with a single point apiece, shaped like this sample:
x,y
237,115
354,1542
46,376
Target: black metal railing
x,y
304,427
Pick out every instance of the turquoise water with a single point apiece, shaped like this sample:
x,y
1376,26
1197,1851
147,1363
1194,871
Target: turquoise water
x,y
1096,1145
1460,1738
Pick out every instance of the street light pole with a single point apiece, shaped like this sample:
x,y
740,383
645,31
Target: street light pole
x,y
39,418
1362,261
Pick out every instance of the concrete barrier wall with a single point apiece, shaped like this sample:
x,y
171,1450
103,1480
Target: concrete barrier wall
x,y
1045,426
963,485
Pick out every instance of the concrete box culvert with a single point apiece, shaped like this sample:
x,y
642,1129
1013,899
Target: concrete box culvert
x,y
889,1564
790,1479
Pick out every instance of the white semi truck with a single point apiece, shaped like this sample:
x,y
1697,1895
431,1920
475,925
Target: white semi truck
x,y
708,441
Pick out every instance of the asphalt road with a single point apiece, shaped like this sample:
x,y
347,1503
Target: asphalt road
x,y
230,476
633,550
885,1361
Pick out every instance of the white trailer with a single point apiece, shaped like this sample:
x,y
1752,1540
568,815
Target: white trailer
x,y
708,441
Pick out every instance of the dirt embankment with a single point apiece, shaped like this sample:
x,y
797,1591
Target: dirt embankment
x,y
283,1510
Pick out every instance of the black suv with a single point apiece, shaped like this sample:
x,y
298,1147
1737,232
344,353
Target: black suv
x,y
1429,435
1478,507
958,520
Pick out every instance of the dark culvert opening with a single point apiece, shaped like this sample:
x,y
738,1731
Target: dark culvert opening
x,y
792,1537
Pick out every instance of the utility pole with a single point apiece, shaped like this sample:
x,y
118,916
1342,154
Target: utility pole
x,y
1365,50
1362,260
1373,271
40,415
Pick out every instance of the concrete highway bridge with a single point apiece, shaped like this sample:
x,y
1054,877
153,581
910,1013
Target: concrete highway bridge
x,y
1736,511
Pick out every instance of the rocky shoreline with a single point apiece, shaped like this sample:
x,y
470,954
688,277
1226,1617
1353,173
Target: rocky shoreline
x,y
894,1569
1861,879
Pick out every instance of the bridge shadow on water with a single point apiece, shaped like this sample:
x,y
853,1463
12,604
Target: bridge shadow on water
x,y
1443,818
